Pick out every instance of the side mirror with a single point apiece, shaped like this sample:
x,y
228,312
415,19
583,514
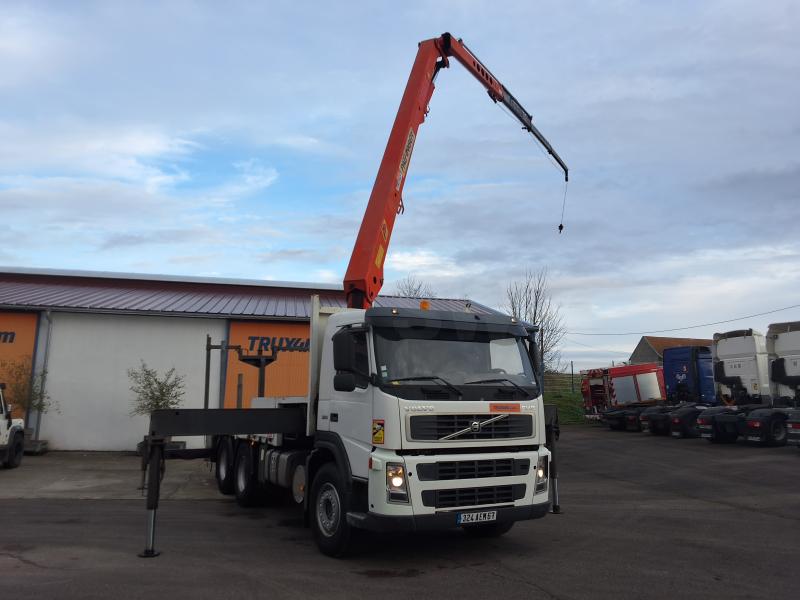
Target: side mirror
x,y
344,352
344,381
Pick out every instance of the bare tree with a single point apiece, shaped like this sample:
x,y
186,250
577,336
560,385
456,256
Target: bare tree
x,y
411,287
530,300
24,388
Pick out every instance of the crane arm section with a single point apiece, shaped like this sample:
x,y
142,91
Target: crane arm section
x,y
364,277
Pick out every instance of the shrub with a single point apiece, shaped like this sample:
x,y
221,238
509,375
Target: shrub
x,y
153,392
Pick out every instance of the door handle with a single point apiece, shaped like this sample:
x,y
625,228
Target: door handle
x,y
334,417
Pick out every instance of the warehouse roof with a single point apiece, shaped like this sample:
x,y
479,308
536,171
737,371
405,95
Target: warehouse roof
x,y
130,293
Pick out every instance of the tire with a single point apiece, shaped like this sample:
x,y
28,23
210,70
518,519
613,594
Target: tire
x,y
776,432
15,451
223,471
328,506
488,530
245,479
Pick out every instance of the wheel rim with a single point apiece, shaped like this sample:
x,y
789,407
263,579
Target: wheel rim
x,y
778,431
222,463
328,510
241,476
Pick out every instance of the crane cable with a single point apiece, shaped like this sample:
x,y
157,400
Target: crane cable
x,y
549,159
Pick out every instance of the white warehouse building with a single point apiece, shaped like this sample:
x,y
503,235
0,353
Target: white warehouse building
x,y
82,332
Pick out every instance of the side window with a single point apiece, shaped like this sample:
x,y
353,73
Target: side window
x,y
350,355
362,359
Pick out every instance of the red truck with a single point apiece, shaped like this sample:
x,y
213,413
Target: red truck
x,y
616,395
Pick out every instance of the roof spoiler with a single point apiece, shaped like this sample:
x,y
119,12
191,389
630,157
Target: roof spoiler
x,y
733,334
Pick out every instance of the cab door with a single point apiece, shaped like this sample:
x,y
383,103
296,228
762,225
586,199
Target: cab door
x,y
351,411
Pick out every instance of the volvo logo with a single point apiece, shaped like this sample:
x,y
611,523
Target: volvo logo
x,y
475,426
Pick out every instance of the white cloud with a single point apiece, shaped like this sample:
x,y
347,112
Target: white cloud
x,y
424,264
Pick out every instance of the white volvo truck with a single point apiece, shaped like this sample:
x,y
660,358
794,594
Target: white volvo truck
x,y
415,420
12,435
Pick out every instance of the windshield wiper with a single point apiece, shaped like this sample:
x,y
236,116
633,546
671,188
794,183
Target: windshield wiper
x,y
444,381
500,380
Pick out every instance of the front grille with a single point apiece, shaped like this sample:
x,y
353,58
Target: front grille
x,y
435,427
495,494
472,469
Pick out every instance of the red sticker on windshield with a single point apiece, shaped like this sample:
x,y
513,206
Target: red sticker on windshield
x,y
504,408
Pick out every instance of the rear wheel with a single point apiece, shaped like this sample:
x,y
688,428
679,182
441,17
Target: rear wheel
x,y
488,530
245,478
776,433
224,467
15,451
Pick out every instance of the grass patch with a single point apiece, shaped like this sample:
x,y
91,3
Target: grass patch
x,y
570,405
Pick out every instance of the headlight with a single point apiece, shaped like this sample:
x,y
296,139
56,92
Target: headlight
x,y
396,489
541,475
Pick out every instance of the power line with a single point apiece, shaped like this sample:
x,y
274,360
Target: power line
x,y
761,314
596,348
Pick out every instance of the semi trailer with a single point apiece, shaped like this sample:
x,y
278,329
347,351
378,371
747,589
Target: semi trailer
x,y
12,435
414,419
741,373
689,384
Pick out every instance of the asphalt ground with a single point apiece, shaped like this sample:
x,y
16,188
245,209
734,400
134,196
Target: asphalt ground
x,y
644,517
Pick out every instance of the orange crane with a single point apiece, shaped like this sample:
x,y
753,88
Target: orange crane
x,y
364,277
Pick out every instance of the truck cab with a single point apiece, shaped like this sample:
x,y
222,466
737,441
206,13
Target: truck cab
x,y
425,420
689,382
12,441
779,423
742,377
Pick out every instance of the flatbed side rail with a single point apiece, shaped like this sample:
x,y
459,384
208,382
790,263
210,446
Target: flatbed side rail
x,y
202,422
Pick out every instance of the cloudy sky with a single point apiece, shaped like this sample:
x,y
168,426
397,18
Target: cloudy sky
x,y
242,140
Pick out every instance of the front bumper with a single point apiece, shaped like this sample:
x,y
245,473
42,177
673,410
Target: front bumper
x,y
440,520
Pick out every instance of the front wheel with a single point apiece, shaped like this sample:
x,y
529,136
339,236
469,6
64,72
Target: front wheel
x,y
15,451
328,506
488,530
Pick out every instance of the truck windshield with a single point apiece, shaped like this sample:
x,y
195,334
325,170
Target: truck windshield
x,y
458,356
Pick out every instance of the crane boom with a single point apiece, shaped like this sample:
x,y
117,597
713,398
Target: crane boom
x,y
364,277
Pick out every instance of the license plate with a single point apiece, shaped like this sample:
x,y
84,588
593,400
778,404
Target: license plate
x,y
753,438
705,436
477,517
678,434
645,428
